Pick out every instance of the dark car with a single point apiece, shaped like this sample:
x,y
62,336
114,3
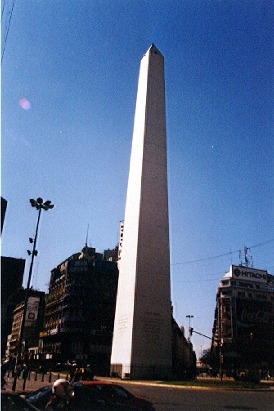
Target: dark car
x,y
115,393
40,398
13,402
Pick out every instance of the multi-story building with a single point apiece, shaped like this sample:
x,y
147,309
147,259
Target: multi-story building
x,y
243,333
183,356
4,204
12,271
34,316
80,308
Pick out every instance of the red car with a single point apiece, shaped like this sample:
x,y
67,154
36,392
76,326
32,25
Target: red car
x,y
116,394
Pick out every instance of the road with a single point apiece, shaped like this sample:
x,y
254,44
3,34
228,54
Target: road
x,y
171,398
183,399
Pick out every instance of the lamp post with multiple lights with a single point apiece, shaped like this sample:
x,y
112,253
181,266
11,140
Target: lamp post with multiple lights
x,y
40,205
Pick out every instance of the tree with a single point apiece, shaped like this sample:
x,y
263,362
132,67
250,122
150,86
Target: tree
x,y
206,357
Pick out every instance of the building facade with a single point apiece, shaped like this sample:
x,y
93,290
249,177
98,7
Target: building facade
x,y
4,204
12,293
243,333
33,324
183,356
80,308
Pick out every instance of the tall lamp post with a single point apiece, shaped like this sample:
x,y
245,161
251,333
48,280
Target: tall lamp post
x,y
40,205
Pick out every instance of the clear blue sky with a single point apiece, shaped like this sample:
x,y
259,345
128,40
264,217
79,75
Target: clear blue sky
x,y
76,64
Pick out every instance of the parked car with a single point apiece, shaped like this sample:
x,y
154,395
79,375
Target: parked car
x,y
13,402
116,394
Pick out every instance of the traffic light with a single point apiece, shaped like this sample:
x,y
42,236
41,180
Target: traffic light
x,y
190,330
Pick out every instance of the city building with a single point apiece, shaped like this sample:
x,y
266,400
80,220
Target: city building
x,y
4,204
243,332
79,313
183,356
12,293
33,324
142,337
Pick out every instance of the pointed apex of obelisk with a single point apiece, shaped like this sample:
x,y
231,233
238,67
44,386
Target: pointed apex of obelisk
x,y
154,49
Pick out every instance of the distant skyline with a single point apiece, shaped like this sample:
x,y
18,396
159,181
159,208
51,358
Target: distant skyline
x,y
69,84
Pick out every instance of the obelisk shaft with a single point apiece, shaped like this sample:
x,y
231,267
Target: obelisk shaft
x,y
142,329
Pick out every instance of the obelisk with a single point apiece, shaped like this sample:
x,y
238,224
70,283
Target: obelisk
x,y
141,347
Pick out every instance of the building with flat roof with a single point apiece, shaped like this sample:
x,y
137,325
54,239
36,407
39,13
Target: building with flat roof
x,y
243,332
80,308
33,323
12,293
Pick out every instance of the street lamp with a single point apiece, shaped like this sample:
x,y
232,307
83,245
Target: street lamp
x,y
40,205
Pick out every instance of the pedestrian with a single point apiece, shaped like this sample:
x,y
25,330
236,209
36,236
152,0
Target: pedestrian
x,y
77,375
19,369
25,375
72,371
4,368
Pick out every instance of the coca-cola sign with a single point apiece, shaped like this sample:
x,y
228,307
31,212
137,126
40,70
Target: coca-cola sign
x,y
253,316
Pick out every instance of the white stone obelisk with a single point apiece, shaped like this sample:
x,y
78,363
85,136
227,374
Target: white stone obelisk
x,y
142,346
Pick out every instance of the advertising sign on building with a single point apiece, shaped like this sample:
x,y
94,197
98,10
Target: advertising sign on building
x,y
254,316
78,266
247,273
32,311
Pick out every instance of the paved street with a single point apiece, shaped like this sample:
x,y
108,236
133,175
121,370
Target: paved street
x,y
193,399
171,398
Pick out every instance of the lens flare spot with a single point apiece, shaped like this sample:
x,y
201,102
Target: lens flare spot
x,y
24,103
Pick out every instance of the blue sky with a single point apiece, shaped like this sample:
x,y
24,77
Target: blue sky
x,y
77,65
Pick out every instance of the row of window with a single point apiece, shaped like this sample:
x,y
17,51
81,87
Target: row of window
x,y
246,284
243,294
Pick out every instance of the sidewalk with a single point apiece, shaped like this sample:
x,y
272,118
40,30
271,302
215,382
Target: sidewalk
x,y
35,382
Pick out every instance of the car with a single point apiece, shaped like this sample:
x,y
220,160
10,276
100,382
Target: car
x,y
40,398
116,394
13,402
84,397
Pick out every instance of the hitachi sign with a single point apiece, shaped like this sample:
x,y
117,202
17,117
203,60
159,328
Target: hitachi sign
x,y
246,273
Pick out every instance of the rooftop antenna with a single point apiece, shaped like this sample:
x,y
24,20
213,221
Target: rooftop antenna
x,y
246,256
87,236
248,261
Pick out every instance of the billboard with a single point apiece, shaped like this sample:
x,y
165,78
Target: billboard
x,y
254,317
247,273
32,311
78,266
